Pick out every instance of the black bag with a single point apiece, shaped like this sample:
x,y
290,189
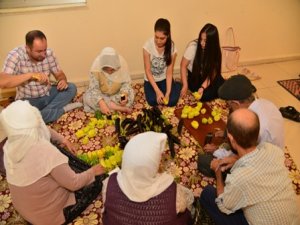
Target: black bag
x,y
86,195
2,168
204,161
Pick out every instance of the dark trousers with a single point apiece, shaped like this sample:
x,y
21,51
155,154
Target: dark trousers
x,y
207,200
162,85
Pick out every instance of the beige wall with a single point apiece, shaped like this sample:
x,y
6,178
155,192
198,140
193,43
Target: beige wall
x,y
266,29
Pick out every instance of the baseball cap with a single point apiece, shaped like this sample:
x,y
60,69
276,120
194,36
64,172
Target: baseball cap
x,y
237,87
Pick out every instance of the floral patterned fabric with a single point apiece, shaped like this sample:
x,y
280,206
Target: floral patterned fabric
x,y
183,167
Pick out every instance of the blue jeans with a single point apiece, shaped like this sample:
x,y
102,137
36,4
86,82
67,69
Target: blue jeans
x,y
207,200
162,85
51,106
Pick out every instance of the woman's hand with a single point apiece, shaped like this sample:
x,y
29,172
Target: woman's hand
x,y
70,146
201,90
160,97
98,170
104,107
183,91
166,99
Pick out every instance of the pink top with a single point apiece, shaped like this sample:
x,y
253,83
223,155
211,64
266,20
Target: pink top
x,y
43,201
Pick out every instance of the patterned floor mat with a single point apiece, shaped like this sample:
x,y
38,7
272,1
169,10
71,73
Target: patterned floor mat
x,y
292,86
183,167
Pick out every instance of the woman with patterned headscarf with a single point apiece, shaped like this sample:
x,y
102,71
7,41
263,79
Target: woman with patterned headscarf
x,y
110,84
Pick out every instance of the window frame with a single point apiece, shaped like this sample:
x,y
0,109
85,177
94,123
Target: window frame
x,y
7,6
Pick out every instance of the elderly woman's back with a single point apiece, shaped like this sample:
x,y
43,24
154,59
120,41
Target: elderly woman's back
x,y
138,194
41,182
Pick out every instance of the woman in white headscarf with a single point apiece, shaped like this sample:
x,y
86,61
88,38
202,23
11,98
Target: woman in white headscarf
x,y
42,185
110,84
138,194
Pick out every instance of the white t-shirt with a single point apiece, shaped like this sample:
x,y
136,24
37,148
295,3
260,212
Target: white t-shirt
x,y
158,64
271,122
190,53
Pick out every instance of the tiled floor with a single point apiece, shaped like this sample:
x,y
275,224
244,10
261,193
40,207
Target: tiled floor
x,y
268,88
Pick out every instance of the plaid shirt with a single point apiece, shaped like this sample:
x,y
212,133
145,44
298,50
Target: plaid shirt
x,y
18,62
260,186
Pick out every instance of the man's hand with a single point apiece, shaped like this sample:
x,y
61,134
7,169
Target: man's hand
x,y
61,78
228,162
219,133
62,85
215,164
40,77
210,148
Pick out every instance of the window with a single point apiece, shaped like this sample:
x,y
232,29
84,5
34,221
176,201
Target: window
x,y
15,4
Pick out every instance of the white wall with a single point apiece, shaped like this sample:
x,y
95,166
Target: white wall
x,y
266,29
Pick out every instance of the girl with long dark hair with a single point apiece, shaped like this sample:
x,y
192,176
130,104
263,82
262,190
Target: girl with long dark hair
x,y
200,66
159,56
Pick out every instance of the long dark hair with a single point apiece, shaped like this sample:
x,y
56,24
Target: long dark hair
x,y
163,25
207,62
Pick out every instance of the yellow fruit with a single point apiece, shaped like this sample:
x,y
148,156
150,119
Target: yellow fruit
x,y
197,95
79,134
204,121
186,109
214,113
93,122
199,104
210,120
100,153
195,124
196,112
85,140
92,133
184,115
36,77
217,117
86,129
203,111
89,154
191,115
166,101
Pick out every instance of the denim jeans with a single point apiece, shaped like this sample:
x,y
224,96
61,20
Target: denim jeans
x,y
162,85
207,200
51,106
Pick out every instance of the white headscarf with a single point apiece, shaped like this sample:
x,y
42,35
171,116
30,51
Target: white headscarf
x,y
139,178
110,58
25,129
